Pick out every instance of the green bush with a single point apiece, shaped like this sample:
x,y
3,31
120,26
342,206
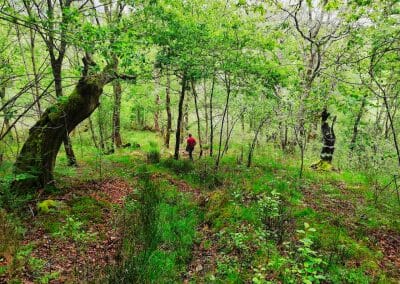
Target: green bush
x,y
178,166
153,156
153,144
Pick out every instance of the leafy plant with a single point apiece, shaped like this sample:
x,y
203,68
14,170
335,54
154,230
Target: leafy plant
x,y
309,267
153,155
73,229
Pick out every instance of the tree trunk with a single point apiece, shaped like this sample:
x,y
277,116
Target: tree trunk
x,y
6,119
100,123
329,139
168,109
35,163
211,117
180,116
93,134
185,124
116,134
228,93
34,70
56,66
253,144
205,110
157,114
396,145
198,118
357,123
229,134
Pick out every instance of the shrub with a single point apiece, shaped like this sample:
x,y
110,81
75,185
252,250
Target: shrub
x,y
178,166
73,229
153,156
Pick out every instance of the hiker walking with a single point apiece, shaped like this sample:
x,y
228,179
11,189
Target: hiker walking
x,y
191,142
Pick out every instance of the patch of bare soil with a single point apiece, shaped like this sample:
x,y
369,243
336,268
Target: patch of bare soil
x,y
79,261
110,190
318,201
389,243
386,241
182,185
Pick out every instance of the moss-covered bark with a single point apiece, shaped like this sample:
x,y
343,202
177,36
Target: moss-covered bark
x,y
35,163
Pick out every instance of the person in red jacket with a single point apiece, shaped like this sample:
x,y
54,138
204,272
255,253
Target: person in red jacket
x,y
190,143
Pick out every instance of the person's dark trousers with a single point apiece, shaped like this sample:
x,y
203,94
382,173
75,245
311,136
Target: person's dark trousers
x,y
191,154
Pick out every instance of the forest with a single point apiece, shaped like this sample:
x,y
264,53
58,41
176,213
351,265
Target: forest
x,y
199,141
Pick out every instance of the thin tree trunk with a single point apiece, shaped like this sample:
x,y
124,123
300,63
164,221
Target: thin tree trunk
x,y
228,93
93,134
357,123
185,124
101,128
180,116
230,132
242,146
116,133
168,110
205,110
253,144
211,117
6,120
34,69
157,114
198,118
396,145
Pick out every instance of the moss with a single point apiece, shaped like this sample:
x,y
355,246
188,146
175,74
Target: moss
x,y
88,209
46,205
322,166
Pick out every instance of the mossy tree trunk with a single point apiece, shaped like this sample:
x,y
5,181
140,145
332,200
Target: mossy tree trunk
x,y
35,163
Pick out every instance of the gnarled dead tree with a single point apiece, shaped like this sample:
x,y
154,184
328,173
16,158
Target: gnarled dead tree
x,y
35,164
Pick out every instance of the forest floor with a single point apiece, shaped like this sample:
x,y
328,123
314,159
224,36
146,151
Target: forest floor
x,y
122,217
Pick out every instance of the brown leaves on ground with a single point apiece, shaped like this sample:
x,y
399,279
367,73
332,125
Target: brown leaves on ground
x,y
204,256
389,243
78,261
182,185
110,190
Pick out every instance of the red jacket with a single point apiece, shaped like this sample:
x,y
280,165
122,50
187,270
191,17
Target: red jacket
x,y
191,142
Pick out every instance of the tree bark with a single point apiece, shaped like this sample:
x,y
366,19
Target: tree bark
x,y
396,144
180,116
168,110
205,110
198,118
329,138
253,144
116,134
157,114
228,93
185,122
357,123
211,117
35,163
6,119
